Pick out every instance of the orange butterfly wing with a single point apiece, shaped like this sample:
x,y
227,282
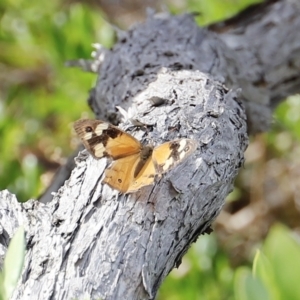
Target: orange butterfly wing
x,y
170,154
145,177
102,139
121,173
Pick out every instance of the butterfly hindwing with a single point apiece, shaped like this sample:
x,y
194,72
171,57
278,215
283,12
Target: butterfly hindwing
x,y
121,173
130,173
103,139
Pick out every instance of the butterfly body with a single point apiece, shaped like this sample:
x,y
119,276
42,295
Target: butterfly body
x,y
134,165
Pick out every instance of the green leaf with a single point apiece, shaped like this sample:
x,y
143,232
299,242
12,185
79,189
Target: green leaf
x,y
283,253
263,269
2,294
13,262
247,287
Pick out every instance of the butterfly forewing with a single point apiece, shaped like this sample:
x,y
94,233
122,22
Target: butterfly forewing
x,y
170,154
145,177
103,139
164,158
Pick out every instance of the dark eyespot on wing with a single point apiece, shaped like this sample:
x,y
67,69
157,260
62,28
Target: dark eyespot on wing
x,y
88,129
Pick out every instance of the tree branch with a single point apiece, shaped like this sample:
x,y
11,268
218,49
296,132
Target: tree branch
x,y
256,51
170,75
98,241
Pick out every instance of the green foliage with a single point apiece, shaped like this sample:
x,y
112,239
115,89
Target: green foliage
x,y
286,125
40,98
279,267
276,269
13,264
247,287
216,10
204,274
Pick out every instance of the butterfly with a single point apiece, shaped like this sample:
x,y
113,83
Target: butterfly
x,y
134,165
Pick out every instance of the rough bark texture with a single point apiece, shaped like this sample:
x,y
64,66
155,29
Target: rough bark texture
x,y
91,240
257,51
170,75
264,43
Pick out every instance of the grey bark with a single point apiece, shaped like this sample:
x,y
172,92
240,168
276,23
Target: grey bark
x,y
91,240
173,77
257,51
61,175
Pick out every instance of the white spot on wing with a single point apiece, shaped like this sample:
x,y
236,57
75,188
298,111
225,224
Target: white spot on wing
x,y
99,150
182,145
168,164
99,129
88,135
182,155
